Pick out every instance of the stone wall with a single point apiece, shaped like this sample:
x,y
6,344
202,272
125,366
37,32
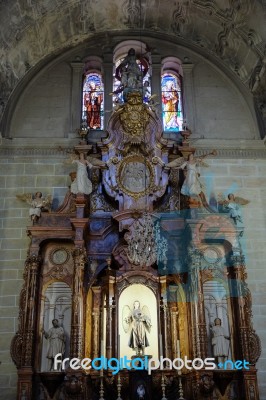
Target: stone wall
x,y
28,170
19,174
44,105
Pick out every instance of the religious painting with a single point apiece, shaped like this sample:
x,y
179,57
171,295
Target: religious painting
x,y
93,96
171,102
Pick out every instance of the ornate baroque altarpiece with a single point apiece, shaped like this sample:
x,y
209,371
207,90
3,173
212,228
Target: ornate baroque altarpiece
x,y
131,266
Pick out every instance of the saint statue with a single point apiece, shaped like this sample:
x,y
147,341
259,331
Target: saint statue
x,y
220,341
56,342
131,74
139,321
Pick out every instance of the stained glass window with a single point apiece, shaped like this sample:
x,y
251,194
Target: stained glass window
x,y
92,109
171,102
123,81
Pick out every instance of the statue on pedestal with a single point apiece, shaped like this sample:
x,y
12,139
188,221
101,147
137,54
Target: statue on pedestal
x,y
56,338
140,322
220,341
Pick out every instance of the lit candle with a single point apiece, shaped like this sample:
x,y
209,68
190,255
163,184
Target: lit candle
x,y
161,345
178,348
178,353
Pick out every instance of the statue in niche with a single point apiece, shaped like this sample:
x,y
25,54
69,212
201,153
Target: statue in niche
x,y
220,341
56,338
37,203
138,321
232,206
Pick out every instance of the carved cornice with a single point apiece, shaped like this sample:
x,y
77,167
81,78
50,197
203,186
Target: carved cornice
x,y
62,152
35,151
234,153
143,278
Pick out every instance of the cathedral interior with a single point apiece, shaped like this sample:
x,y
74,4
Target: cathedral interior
x,y
132,201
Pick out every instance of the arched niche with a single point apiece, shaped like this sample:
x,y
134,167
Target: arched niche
x,y
217,305
146,297
56,304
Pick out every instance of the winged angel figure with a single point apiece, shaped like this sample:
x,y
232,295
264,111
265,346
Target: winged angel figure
x,y
191,185
82,183
232,206
138,322
37,202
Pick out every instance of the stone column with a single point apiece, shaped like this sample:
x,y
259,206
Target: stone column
x,y
108,85
77,325
156,81
189,109
76,95
165,318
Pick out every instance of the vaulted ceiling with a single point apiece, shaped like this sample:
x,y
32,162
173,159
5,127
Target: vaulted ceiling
x,y
232,32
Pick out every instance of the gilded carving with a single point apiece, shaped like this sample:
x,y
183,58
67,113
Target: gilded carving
x,y
134,118
254,347
135,176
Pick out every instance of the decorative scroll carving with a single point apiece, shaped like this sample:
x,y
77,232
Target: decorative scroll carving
x,y
16,349
206,384
254,347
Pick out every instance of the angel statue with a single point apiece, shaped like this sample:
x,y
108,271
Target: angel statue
x,y
191,185
139,321
82,183
37,202
232,205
